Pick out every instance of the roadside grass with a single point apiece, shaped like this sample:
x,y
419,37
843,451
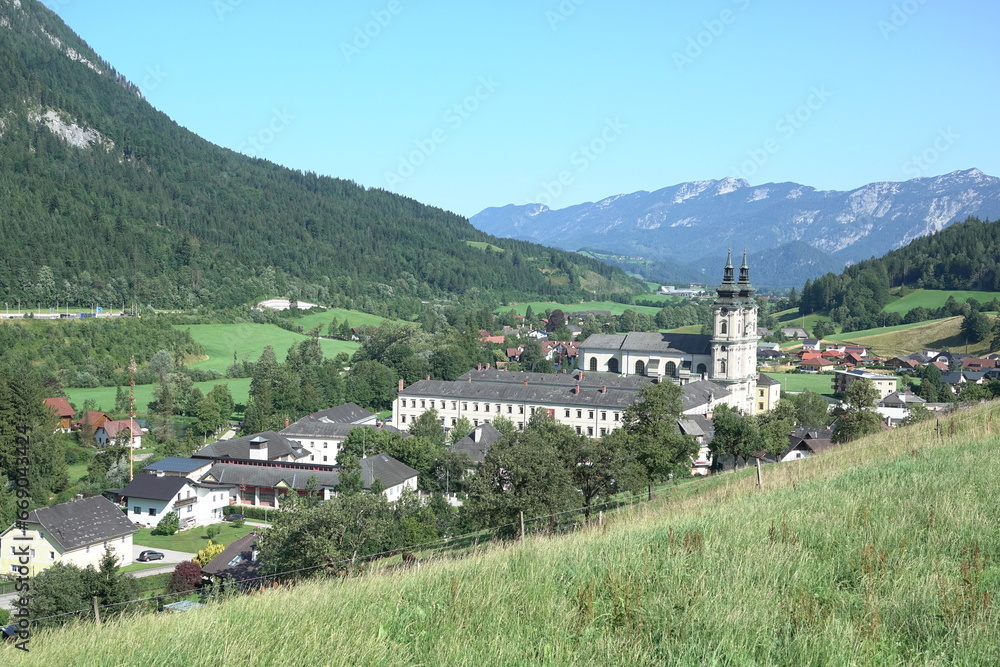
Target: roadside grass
x,y
190,540
247,341
356,318
613,307
137,567
931,299
885,551
104,397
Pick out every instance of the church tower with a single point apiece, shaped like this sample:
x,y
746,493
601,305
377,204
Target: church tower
x,y
734,335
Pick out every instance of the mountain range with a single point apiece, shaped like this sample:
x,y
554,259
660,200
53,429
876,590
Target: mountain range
x,y
106,200
793,231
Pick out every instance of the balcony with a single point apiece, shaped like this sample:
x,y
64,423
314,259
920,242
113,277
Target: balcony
x,y
186,501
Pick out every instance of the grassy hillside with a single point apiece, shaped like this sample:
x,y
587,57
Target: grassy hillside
x,y
933,298
247,341
867,333
105,396
935,335
613,307
885,551
323,319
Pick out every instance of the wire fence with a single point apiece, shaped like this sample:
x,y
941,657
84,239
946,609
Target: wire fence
x,y
552,523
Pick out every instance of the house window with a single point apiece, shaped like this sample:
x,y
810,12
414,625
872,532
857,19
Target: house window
x,y
590,414
136,510
566,412
760,406
520,426
578,431
475,407
465,406
15,569
579,414
453,421
520,409
616,416
422,402
52,555
454,405
590,431
593,364
604,416
604,431
324,459
402,418
486,407
190,508
442,405
640,368
722,328
510,409
475,422
152,511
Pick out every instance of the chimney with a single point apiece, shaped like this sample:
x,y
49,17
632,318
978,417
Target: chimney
x,y
580,377
576,389
479,367
287,423
469,379
604,390
487,367
427,377
400,384
525,383
477,435
258,449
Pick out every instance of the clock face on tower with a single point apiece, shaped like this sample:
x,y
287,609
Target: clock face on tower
x,y
724,312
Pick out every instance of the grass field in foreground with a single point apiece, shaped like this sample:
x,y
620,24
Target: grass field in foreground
x,y
932,298
882,552
613,307
247,341
105,396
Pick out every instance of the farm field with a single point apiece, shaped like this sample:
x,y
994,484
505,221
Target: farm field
x,y
931,299
247,341
104,397
614,307
879,553
355,317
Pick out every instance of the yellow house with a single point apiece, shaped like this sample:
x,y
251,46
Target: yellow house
x,y
766,394
75,533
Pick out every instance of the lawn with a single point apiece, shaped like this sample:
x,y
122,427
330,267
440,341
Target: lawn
x,y
136,567
817,383
612,306
932,299
246,342
355,317
104,397
190,540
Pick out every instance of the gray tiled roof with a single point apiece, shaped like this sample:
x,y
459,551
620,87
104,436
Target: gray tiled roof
x,y
650,342
278,446
697,425
702,392
236,560
386,469
521,393
380,466
348,413
176,464
766,381
579,377
321,429
476,450
81,522
153,487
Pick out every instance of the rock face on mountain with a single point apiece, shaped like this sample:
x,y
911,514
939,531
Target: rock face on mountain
x,y
694,222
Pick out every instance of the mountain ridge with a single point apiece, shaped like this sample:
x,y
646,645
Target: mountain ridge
x,y
673,222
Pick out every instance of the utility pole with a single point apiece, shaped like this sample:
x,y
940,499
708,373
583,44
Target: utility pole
x,y
131,415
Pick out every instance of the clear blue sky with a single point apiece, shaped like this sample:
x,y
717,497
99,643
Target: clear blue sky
x,y
465,105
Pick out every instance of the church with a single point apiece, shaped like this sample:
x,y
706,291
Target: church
x,y
727,357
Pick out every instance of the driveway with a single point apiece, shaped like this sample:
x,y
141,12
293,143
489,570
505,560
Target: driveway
x,y
169,555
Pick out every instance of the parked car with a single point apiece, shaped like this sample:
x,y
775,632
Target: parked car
x,y
234,517
9,632
149,555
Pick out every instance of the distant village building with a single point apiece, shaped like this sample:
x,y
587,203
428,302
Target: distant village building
x,y
884,384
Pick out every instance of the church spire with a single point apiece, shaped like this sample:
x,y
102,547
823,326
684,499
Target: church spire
x,y
746,289
727,276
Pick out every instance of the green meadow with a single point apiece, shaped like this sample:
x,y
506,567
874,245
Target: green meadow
x,y
104,397
932,299
323,319
885,551
817,383
246,342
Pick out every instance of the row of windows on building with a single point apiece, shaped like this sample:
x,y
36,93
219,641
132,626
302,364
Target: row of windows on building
x,y
616,416
52,554
670,369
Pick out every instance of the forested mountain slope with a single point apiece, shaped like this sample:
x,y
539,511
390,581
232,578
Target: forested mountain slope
x,y
104,198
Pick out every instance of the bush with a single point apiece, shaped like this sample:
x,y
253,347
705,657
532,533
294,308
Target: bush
x,y
4,617
239,523
186,577
213,531
168,525
205,556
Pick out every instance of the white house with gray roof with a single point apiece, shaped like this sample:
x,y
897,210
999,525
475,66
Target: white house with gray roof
x,y
151,495
72,533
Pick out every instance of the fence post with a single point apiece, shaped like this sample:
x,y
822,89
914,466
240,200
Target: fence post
x,y
97,611
600,519
521,534
760,480
937,428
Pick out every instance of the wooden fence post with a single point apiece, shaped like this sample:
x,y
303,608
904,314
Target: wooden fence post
x,y
521,534
97,611
760,480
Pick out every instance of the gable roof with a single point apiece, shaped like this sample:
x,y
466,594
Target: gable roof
x,y
81,522
115,426
476,448
702,392
383,467
237,560
153,487
94,417
278,446
177,464
650,342
348,413
766,381
60,406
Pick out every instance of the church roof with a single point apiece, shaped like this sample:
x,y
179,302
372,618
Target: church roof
x,y
661,343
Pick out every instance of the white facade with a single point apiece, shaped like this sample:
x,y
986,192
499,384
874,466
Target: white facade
x,y
195,506
44,552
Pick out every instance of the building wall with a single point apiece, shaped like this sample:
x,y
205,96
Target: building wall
x,y
207,509
589,421
627,363
766,397
321,449
884,384
44,552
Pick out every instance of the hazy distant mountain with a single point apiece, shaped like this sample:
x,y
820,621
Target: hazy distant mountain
x,y
693,223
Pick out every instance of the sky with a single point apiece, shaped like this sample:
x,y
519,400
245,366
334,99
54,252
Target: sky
x,y
466,105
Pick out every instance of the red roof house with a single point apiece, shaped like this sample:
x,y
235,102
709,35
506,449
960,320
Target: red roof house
x,y
63,412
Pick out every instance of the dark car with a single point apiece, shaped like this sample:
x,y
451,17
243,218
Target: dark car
x,y
9,632
234,517
150,555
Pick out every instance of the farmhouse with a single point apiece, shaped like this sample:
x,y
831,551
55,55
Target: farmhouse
x,y
119,429
63,412
76,532
149,496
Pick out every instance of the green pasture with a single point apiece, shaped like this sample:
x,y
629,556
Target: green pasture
x,y
865,333
932,298
817,383
323,319
246,342
104,397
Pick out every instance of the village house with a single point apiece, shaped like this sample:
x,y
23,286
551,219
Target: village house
x,y
63,412
322,432
794,332
811,344
124,430
806,442
73,533
149,496
884,384
237,563
476,444
272,446
901,399
768,392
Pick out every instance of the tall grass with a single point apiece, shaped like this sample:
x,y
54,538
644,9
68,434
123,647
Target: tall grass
x,y
885,551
